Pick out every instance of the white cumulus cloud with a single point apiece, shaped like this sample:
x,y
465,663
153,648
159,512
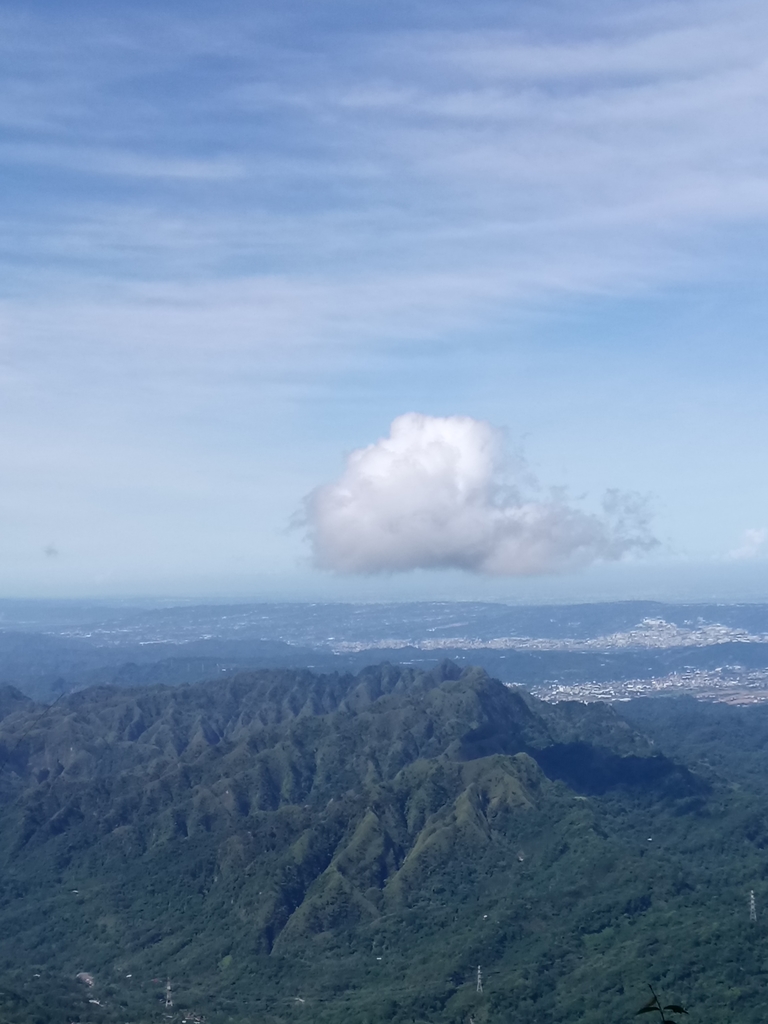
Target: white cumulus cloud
x,y
436,494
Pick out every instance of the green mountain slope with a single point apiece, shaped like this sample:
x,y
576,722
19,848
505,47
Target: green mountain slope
x,y
292,847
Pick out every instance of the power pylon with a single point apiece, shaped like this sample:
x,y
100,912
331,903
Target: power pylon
x,y
752,907
479,979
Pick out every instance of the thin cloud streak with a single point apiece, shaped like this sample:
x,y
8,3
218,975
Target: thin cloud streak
x,y
120,163
272,319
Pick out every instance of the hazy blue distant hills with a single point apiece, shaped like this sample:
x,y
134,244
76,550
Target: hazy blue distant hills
x,y
288,846
45,666
311,624
46,669
48,648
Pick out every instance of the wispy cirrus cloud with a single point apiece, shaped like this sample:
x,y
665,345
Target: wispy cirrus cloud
x,y
603,158
306,192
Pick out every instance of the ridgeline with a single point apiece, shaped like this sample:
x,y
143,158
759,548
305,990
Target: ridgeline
x,y
291,847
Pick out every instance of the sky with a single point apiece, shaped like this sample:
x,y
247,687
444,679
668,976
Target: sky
x,y
384,300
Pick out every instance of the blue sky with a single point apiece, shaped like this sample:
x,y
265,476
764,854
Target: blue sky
x,y
238,240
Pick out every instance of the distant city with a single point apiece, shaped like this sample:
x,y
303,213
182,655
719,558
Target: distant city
x,y
608,652
730,685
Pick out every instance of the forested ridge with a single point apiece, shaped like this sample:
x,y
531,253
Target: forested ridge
x,y
292,847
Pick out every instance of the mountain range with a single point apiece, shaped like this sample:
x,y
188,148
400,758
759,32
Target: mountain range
x,y
287,846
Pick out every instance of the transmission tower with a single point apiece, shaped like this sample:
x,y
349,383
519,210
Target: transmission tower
x,y
752,907
168,997
479,979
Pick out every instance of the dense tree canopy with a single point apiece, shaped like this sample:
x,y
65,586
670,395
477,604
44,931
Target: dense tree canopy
x,y
292,847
